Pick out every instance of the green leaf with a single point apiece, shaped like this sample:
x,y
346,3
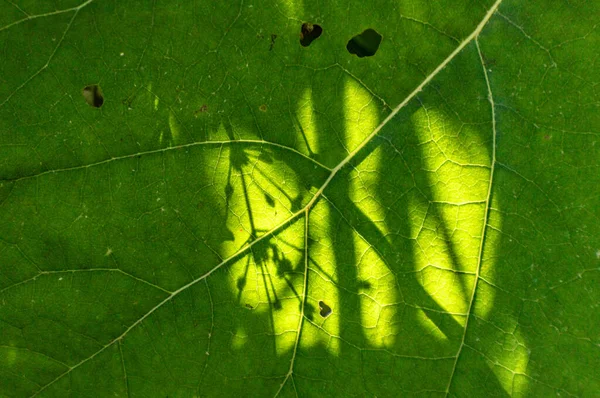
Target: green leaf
x,y
202,198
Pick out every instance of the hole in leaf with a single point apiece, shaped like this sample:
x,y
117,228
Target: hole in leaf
x,y
93,95
325,310
365,44
309,33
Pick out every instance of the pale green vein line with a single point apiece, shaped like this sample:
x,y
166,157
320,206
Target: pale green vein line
x,y
532,182
48,14
295,389
388,352
239,14
385,104
76,9
496,363
17,7
537,43
174,294
210,332
305,210
465,203
72,271
575,278
427,24
413,94
304,293
475,165
126,380
485,219
171,148
35,352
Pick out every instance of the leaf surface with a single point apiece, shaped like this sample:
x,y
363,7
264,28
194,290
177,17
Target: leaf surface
x,y
193,203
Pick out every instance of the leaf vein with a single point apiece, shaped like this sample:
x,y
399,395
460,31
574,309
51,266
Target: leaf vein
x,y
308,207
485,219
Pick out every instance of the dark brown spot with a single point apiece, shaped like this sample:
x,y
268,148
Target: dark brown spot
x,y
202,109
262,108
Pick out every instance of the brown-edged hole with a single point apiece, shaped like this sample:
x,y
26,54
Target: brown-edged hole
x,y
309,33
93,95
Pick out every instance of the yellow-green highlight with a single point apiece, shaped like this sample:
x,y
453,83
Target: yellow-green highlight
x,y
307,119
265,293
323,282
448,229
378,301
361,114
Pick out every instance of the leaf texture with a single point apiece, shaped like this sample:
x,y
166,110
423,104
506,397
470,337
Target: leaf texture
x,y
193,202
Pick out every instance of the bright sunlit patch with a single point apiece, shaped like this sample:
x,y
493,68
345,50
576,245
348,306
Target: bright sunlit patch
x,y
379,294
323,283
434,259
267,286
448,225
364,182
456,158
367,177
360,112
512,364
307,120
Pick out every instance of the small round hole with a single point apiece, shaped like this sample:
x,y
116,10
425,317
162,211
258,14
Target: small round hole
x,y
93,95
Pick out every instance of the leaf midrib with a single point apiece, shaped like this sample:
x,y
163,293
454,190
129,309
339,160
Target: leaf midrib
x,y
306,210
